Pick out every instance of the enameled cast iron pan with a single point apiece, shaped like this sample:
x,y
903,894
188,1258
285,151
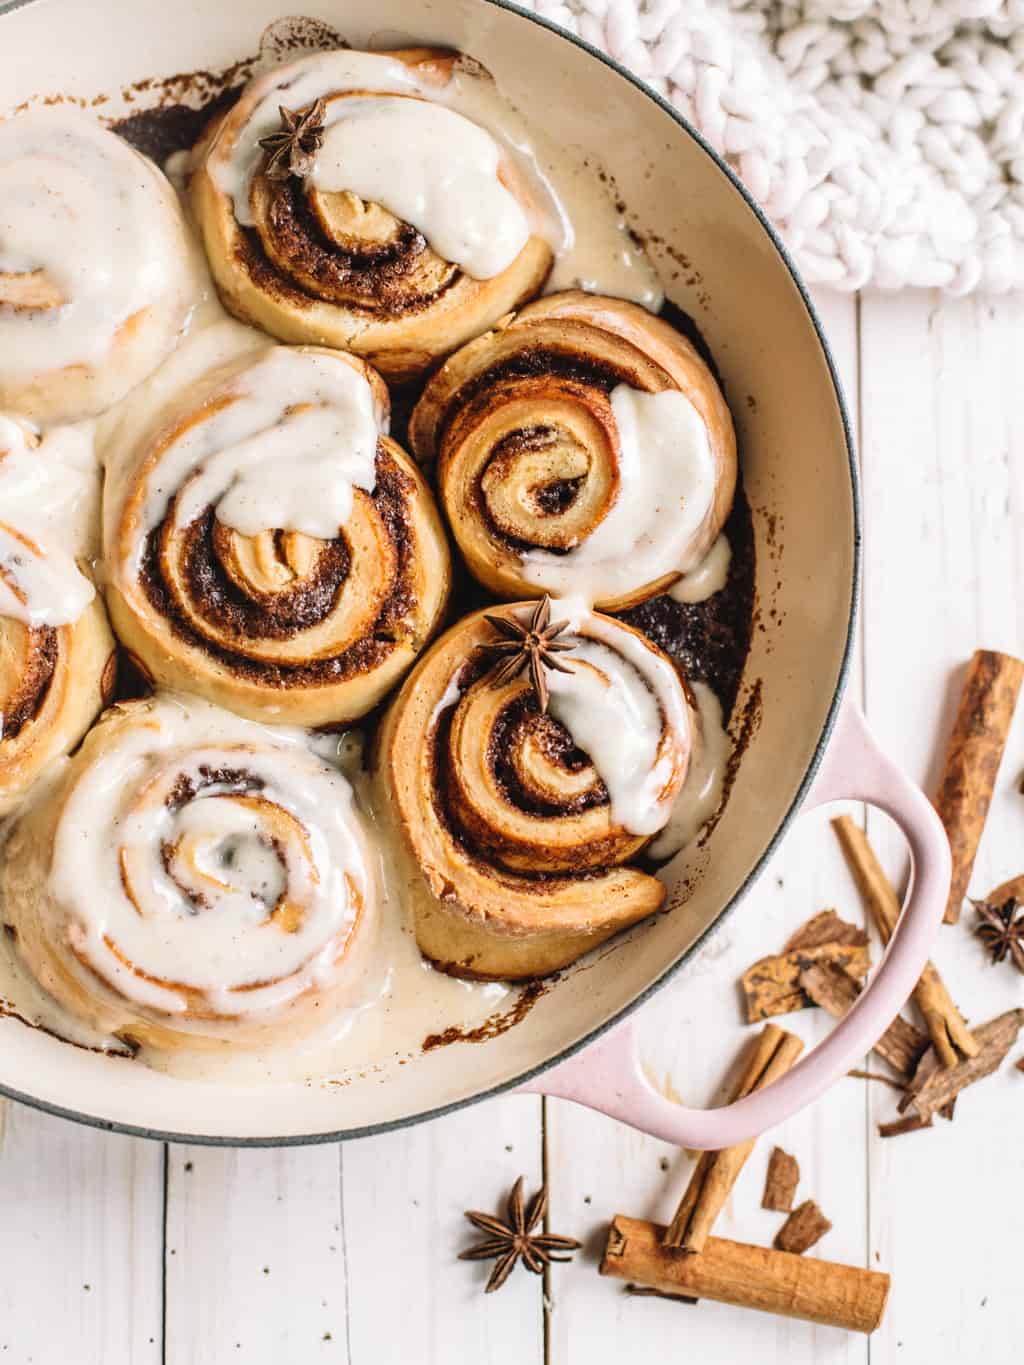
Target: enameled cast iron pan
x,y
800,476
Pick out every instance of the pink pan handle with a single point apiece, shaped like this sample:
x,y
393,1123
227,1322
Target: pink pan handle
x,y
607,1076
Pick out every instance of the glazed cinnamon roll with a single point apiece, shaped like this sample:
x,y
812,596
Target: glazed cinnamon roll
x,y
194,877
527,761
268,546
581,446
56,650
344,202
94,266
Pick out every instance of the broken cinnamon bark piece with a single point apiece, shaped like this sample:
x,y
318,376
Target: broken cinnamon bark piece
x,y
934,1087
910,1124
804,1227
781,1181
772,985
901,1045
826,927
949,1034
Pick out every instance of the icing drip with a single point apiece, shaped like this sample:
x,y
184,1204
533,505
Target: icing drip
x,y
48,494
83,236
701,793
299,434
617,704
706,578
666,488
432,168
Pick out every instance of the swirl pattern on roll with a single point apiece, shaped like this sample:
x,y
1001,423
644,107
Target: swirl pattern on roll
x,y
195,876
95,268
327,256
269,547
56,650
581,446
519,847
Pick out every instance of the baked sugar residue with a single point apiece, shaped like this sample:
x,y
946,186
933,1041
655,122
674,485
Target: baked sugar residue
x,y
495,1024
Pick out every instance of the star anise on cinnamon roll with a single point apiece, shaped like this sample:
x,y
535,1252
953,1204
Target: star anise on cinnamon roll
x,y
519,823
533,647
292,150
384,221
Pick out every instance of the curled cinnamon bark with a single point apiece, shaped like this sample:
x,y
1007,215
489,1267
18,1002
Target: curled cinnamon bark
x,y
748,1277
973,755
949,1034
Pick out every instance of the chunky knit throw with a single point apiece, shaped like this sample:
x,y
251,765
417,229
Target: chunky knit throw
x,y
885,138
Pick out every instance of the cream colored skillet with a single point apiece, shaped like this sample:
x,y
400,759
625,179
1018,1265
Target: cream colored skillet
x,y
801,478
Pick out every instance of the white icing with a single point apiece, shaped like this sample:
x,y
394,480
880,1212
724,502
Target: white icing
x,y
666,489
617,703
563,193
432,168
229,945
77,205
701,793
48,508
286,454
708,577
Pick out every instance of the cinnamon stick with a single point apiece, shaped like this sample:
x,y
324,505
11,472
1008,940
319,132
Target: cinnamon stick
x,y
973,755
901,1045
773,1053
748,1277
934,1087
944,1022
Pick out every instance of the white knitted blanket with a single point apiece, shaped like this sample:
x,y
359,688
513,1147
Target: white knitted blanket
x,y
885,138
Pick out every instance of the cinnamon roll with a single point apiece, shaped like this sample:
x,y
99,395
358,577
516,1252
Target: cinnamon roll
x,y
581,446
56,650
94,266
519,811
194,877
268,546
344,202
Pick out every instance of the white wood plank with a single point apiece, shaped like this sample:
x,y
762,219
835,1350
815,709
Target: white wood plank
x,y
944,462
404,1197
690,1033
81,1239
255,1256
308,1253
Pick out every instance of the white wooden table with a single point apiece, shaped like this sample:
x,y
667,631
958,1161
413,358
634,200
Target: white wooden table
x,y
115,1251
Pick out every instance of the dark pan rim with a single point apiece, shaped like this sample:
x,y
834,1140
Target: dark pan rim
x,y
370,1130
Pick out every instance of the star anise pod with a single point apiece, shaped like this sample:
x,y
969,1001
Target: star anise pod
x,y
532,646
292,149
1001,930
515,1238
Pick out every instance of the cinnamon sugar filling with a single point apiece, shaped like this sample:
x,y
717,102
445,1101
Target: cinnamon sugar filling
x,y
34,684
374,277
225,607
